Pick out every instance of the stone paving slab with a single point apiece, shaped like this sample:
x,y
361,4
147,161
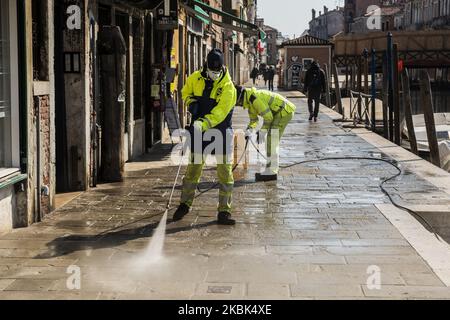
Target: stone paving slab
x,y
314,234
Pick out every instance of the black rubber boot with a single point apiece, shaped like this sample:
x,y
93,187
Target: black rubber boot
x,y
181,212
311,117
265,177
224,218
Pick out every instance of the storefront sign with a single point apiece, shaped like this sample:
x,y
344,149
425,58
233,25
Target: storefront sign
x,y
167,15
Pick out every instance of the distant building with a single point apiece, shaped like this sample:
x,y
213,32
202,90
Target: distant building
x,y
423,14
271,45
398,15
356,8
360,15
297,57
389,20
270,54
328,24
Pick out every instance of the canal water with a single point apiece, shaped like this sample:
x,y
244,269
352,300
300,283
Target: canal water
x,y
441,100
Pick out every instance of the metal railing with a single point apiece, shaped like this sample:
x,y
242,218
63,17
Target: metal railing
x,y
359,108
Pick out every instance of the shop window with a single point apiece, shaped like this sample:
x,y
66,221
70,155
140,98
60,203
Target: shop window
x,y
72,62
9,122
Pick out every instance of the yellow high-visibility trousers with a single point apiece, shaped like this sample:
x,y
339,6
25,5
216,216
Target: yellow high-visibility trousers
x,y
274,136
226,184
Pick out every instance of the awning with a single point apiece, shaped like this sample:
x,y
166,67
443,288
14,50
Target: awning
x,y
143,4
202,13
242,25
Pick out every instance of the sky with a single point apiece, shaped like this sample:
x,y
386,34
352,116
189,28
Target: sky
x,y
291,17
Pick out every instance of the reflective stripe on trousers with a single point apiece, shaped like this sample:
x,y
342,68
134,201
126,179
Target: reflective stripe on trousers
x,y
226,184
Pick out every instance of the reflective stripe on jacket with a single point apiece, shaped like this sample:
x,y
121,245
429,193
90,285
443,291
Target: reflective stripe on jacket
x,y
265,104
223,92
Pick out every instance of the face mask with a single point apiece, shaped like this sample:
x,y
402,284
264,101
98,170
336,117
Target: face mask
x,y
214,75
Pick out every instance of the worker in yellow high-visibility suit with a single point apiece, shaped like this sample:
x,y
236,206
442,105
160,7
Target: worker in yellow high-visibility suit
x,y
211,97
277,112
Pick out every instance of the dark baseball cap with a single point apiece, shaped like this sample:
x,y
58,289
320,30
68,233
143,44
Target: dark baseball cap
x,y
215,60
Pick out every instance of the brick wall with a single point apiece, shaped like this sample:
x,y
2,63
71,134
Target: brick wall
x,y
44,110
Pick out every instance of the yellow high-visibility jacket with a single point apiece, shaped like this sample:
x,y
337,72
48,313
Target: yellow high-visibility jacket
x,y
223,92
265,104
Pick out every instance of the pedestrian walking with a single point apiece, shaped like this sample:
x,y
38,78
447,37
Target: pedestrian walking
x,y
211,96
277,112
265,74
254,75
271,77
315,85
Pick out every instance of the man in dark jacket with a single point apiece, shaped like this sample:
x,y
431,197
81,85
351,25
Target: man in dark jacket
x,y
270,77
265,74
315,85
254,75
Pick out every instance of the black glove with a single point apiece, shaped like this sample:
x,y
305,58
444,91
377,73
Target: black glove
x,y
193,109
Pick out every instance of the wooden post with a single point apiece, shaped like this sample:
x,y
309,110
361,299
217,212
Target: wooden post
x,y
338,90
359,84
385,97
327,94
374,90
396,100
426,100
408,111
390,73
347,78
352,78
366,80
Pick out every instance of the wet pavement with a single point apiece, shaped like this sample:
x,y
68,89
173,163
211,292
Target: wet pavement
x,y
317,233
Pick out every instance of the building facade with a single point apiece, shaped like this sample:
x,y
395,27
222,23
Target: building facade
x,y
356,8
388,20
270,55
27,109
298,54
327,24
271,45
426,14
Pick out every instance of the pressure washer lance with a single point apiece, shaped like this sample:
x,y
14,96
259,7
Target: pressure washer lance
x,y
183,154
169,201
381,185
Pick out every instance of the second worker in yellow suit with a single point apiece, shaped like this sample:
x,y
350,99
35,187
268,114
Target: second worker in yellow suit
x,y
211,97
277,112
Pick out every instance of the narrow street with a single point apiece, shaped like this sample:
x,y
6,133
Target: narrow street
x,y
317,233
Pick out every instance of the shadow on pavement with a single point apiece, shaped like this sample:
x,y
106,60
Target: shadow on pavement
x,y
66,245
